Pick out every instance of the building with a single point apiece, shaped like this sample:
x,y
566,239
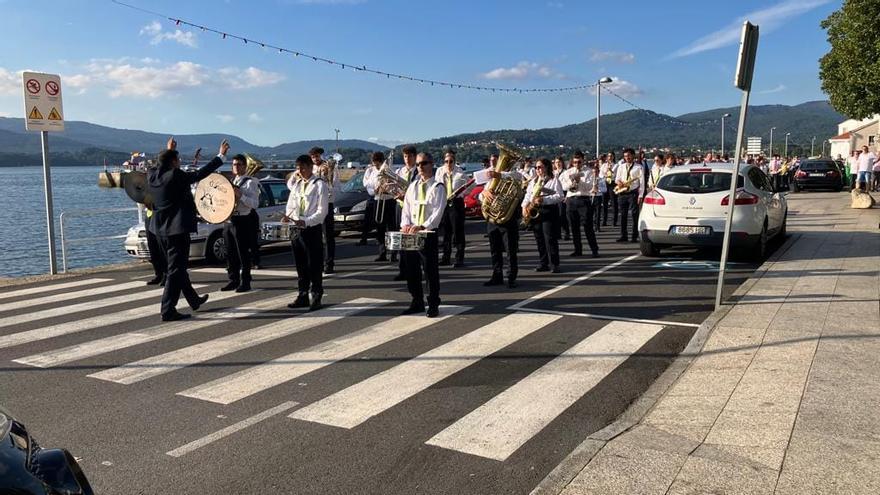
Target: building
x,y
853,134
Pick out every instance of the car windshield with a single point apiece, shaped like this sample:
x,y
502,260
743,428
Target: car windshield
x,y
697,182
355,184
818,166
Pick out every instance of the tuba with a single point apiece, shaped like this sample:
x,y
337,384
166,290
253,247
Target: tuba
x,y
253,165
507,192
391,183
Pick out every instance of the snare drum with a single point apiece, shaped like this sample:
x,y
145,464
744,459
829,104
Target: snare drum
x,y
398,241
279,231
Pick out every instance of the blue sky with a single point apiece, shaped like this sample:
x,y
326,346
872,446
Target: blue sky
x,y
128,69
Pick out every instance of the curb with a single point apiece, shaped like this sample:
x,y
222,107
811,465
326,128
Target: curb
x,y
563,474
30,279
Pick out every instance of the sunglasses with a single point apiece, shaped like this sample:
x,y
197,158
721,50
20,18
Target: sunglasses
x,y
448,161
424,162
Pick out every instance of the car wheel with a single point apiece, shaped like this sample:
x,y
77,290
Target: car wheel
x,y
648,248
759,250
215,248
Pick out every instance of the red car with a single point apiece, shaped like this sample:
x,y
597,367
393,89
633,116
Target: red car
x,y
472,206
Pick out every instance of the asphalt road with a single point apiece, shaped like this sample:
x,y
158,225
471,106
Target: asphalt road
x,y
250,397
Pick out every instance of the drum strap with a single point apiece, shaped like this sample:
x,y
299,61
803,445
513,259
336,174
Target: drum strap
x,y
422,189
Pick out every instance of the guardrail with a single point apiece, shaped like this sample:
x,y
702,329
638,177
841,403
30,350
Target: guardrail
x,y
85,240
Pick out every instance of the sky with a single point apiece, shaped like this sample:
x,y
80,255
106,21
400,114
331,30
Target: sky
x,y
130,69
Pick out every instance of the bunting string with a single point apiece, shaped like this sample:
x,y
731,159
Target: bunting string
x,y
656,115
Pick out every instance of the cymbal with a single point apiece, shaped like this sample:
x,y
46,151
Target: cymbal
x,y
135,185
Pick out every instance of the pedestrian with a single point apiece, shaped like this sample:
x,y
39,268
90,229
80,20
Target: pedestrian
x,y
866,162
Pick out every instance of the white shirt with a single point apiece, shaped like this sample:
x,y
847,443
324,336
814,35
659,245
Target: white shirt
x,y
866,161
371,182
434,204
774,166
551,199
308,200
409,175
633,171
657,171
250,194
585,184
604,168
457,178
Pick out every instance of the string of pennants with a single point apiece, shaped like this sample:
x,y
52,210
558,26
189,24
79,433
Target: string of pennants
x,y
659,116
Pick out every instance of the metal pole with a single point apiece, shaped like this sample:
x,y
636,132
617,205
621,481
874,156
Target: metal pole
x,y
722,135
63,244
771,142
598,112
786,144
725,246
812,145
50,214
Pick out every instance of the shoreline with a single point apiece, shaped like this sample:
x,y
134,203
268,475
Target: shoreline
x,y
28,279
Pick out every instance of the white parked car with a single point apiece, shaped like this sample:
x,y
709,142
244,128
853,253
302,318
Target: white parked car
x,y
208,242
689,208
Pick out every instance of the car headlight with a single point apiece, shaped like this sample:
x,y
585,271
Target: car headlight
x,y
359,207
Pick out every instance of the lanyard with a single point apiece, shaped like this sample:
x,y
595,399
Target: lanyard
x,y
448,184
421,201
302,198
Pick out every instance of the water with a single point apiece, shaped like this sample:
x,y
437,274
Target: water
x,y
23,243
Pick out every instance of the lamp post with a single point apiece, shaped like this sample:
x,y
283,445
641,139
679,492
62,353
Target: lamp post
x,y
722,132
771,141
337,140
786,144
823,146
812,145
604,80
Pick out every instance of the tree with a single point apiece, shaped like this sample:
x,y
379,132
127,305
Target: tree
x,y
850,72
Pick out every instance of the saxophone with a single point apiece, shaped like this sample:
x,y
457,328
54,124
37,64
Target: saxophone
x,y
507,192
532,211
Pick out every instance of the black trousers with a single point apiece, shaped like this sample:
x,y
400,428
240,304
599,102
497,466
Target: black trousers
x,y
368,223
385,219
563,218
308,254
547,229
580,214
629,204
330,236
255,245
615,205
157,255
504,237
452,227
176,249
605,205
239,237
417,262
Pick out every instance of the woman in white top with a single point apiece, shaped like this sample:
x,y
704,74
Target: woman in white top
x,y
543,195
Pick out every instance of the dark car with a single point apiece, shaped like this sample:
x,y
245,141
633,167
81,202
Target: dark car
x,y
350,204
817,174
28,469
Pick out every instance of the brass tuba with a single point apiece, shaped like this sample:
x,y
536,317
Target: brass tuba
x,y
391,183
507,193
253,165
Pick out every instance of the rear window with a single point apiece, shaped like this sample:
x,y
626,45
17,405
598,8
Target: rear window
x,y
819,166
696,182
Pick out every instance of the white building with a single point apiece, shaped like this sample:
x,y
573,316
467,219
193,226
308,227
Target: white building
x,y
853,134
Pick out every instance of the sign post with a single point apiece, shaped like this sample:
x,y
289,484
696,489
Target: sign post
x,y
745,69
44,112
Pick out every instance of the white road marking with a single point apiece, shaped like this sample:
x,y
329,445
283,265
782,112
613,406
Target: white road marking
x,y
250,381
611,318
229,430
499,427
360,402
47,288
68,310
254,273
550,292
66,296
375,268
205,351
97,347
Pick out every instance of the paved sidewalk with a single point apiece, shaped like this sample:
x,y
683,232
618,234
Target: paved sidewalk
x,y
784,396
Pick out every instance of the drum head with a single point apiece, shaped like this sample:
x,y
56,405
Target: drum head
x,y
215,198
135,185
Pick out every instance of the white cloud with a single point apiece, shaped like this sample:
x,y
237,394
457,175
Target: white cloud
x,y
157,35
251,77
622,57
255,118
778,89
621,87
225,118
522,70
768,19
10,82
555,5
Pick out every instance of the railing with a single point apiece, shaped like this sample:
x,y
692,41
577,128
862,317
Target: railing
x,y
84,240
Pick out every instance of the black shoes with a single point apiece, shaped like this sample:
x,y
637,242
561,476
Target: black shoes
x,y
595,254
244,287
542,268
445,261
399,277
394,257
511,284
329,269
493,281
620,239
156,281
634,239
230,286
432,312
361,242
567,237
381,257
175,316
301,301
316,302
415,307
201,300
555,269
575,254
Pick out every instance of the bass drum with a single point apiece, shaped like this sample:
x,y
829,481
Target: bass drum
x,y
215,198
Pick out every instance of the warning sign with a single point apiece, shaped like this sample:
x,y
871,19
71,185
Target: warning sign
x,y
42,101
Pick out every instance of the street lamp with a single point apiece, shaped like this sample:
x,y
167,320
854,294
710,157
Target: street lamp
x,y
722,132
823,147
786,144
337,140
812,145
771,141
604,80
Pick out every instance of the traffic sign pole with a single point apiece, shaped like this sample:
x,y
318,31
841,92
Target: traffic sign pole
x,y
50,213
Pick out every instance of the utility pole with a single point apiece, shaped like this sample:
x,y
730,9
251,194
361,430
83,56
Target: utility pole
x,y
771,142
604,80
337,140
812,145
786,144
722,132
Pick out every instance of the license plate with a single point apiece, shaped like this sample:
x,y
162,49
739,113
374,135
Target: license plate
x,y
691,230
339,218
817,175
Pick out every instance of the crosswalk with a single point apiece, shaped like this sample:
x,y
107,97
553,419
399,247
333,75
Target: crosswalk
x,y
494,430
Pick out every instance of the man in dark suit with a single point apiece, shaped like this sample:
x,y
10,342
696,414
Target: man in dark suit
x,y
174,219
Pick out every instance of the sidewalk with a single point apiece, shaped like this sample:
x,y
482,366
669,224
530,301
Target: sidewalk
x,y
784,396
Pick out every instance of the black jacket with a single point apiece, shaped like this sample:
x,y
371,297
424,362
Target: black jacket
x,y
175,211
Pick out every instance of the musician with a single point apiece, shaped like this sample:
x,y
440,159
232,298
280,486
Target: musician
x,y
423,207
558,168
548,225
408,172
238,232
453,179
329,173
504,237
583,193
307,206
174,219
606,172
157,256
631,173
384,214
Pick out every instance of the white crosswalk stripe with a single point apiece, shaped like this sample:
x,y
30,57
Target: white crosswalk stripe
x,y
56,298
205,351
499,427
104,345
255,273
72,309
47,288
368,398
281,370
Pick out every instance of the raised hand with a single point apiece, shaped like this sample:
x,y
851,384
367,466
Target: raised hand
x,y
171,144
224,147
